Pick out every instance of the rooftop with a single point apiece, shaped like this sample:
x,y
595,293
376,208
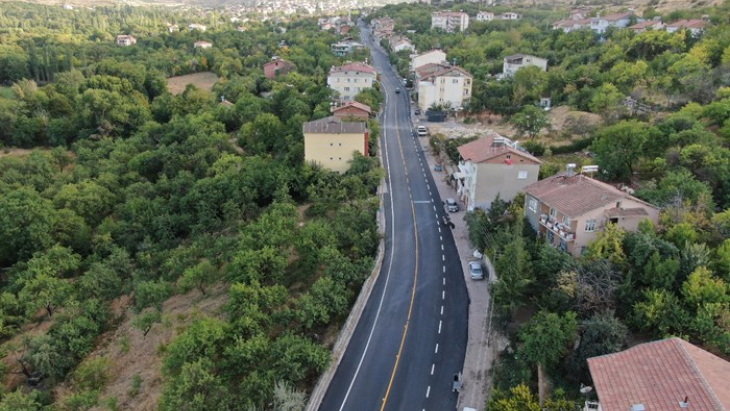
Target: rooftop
x,y
689,24
615,16
334,125
660,375
577,194
646,24
354,104
485,148
357,67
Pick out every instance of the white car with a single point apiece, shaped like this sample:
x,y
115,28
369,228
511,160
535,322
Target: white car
x,y
422,131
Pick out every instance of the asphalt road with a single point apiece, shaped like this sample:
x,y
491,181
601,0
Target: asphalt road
x,y
411,338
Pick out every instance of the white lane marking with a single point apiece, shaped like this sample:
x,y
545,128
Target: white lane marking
x,y
443,294
444,268
433,366
443,257
437,349
439,229
442,247
428,391
442,310
444,281
439,326
441,238
434,208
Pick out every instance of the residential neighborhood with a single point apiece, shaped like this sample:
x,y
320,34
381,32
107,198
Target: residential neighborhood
x,y
450,21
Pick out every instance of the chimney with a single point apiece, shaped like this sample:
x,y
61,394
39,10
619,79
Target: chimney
x,y
570,170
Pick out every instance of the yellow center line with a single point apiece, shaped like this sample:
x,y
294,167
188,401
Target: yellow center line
x,y
415,273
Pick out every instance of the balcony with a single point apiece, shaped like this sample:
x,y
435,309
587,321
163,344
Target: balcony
x,y
560,229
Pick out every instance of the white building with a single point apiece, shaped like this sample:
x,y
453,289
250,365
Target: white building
x,y
126,40
517,61
510,16
400,43
601,24
202,45
350,79
429,57
449,86
450,21
198,27
485,16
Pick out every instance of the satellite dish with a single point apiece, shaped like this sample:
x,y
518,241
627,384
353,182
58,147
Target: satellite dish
x,y
585,389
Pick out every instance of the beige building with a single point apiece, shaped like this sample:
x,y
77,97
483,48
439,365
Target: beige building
x,y
429,57
330,142
125,40
493,166
202,45
485,16
517,61
350,79
449,86
570,209
449,21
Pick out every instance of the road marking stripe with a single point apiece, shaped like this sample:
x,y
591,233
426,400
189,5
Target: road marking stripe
x,y
439,326
443,257
437,349
444,268
442,310
442,247
432,368
441,238
443,294
428,391
444,281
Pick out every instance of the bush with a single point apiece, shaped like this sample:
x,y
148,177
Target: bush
x,y
573,147
534,148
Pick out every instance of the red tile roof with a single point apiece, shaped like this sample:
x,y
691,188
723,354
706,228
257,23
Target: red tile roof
x,y
454,71
616,16
355,104
577,194
358,67
659,375
484,148
688,24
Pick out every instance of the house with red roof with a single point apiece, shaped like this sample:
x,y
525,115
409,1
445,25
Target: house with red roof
x,y
353,111
665,375
695,26
647,25
277,67
350,79
493,165
570,209
600,23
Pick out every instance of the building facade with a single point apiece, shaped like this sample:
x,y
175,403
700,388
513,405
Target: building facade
x,y
485,16
450,21
429,57
515,62
449,86
353,111
350,79
492,166
331,142
124,40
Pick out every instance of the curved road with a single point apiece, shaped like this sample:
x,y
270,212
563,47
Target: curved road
x,y
411,338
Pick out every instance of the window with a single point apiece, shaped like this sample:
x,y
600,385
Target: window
x,y
591,225
553,212
566,221
340,144
455,81
532,205
509,156
522,175
354,81
347,88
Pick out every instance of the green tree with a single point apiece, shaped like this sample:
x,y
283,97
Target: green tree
x,y
530,121
19,401
545,340
200,276
196,388
618,147
608,102
26,225
514,272
602,334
